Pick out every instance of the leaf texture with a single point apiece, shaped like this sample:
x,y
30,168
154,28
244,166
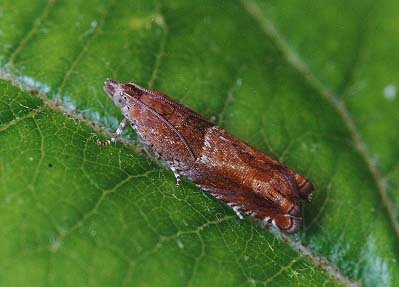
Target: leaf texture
x,y
312,84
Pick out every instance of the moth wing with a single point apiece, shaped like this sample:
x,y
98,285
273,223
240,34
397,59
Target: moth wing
x,y
303,186
179,106
246,202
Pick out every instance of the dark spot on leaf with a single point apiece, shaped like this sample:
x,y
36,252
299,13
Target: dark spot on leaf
x,y
34,91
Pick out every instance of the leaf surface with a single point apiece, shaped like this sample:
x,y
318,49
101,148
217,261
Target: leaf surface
x,y
312,84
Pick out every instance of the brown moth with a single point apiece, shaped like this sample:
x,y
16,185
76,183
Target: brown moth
x,y
243,177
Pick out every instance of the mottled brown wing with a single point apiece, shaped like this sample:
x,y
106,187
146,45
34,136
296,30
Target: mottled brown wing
x,y
166,99
187,125
303,186
244,201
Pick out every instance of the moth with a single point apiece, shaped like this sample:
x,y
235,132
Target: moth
x,y
243,177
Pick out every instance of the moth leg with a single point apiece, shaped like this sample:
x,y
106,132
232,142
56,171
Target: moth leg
x,y
305,187
236,209
177,175
116,135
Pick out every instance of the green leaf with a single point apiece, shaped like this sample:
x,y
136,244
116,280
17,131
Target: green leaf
x,y
312,84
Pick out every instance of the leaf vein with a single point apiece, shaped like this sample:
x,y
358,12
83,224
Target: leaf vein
x,y
84,50
161,53
36,24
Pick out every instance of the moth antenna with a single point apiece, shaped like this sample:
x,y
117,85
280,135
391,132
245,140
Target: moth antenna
x,y
162,119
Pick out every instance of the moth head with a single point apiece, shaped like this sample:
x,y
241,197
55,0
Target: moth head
x,y
115,91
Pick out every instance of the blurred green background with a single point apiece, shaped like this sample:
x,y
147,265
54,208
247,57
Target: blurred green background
x,y
312,83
